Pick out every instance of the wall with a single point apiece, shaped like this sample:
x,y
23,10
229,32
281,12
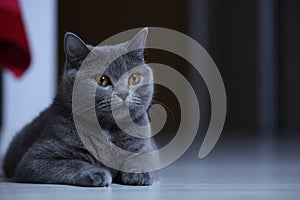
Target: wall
x,y
25,97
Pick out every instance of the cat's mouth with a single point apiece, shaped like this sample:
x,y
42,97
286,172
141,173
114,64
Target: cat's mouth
x,y
120,107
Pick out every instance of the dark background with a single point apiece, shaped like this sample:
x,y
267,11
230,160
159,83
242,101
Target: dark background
x,y
255,45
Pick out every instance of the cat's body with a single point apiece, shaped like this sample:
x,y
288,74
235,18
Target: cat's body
x,y
49,150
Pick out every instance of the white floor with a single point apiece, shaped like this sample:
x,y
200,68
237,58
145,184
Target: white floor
x,y
242,169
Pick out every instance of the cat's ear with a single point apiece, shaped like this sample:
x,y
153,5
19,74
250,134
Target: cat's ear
x,y
139,40
75,49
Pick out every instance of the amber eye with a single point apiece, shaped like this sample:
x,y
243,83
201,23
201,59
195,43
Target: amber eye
x,y
134,79
102,80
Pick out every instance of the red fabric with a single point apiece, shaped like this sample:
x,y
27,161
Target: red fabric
x,y
14,49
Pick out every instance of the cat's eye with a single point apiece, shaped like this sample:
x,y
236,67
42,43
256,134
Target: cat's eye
x,y
134,79
103,80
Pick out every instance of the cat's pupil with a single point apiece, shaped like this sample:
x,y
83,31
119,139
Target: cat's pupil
x,y
134,79
102,80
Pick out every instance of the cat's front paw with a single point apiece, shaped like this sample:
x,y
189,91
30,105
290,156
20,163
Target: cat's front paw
x,y
94,177
137,178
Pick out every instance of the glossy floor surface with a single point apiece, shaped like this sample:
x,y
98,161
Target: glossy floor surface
x,y
236,169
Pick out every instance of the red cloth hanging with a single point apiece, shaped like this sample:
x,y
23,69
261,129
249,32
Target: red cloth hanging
x,y
14,48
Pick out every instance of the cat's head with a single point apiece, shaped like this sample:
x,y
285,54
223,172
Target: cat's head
x,y
125,83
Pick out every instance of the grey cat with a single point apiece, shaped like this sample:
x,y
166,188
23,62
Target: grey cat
x,y
49,150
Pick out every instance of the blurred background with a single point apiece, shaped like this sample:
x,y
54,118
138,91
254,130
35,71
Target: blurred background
x,y
255,45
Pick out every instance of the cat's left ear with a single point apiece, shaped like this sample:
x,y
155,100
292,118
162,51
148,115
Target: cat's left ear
x,y
139,40
75,49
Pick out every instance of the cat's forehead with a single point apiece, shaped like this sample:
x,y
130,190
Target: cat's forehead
x,y
108,54
113,60
119,61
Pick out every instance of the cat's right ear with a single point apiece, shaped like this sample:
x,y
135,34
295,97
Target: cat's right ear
x,y
75,49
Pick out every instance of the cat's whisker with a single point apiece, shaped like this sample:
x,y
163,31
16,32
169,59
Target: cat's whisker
x,y
156,116
89,120
83,109
165,106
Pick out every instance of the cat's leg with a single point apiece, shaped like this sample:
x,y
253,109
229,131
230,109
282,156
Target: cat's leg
x,y
62,171
135,168
145,178
132,171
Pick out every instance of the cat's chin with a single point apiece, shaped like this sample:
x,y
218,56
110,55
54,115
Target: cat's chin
x,y
121,112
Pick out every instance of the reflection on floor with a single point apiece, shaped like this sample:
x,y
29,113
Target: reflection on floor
x,y
236,169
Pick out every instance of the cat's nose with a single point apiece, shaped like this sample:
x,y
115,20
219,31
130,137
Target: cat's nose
x,y
123,96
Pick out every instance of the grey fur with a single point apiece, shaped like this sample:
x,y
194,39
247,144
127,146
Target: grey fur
x,y
48,150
